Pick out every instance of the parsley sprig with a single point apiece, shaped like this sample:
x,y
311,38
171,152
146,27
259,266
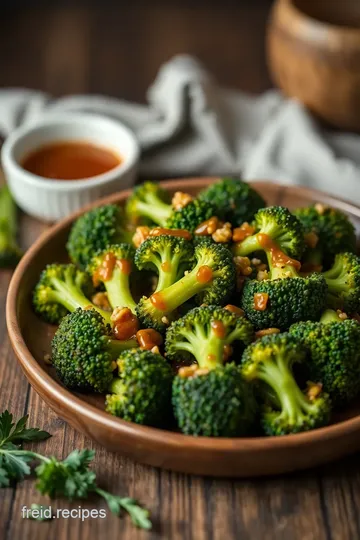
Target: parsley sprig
x,y
71,478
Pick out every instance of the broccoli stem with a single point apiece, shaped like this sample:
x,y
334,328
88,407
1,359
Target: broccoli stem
x,y
10,253
247,246
207,348
181,291
169,274
329,316
292,402
155,209
69,295
118,290
117,346
337,278
281,272
7,216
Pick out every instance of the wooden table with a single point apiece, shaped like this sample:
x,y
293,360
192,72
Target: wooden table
x,y
117,51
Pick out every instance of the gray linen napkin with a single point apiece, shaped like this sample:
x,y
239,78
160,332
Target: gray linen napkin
x,y
193,126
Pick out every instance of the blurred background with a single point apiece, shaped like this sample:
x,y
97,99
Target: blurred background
x,y
116,47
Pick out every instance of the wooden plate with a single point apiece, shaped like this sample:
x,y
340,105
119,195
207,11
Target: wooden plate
x,y
216,457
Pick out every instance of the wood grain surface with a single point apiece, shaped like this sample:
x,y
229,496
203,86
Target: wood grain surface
x,y
79,48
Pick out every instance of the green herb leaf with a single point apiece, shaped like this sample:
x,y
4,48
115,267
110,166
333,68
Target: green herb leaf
x,y
5,426
79,459
9,432
139,516
70,478
15,465
4,477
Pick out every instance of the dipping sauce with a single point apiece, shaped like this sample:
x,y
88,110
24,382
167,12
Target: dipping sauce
x,y
70,160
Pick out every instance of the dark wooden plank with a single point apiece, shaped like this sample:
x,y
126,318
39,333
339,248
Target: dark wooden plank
x,y
152,34
66,53
117,49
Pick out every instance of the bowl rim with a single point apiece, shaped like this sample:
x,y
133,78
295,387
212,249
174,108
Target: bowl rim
x,y
52,119
73,404
351,31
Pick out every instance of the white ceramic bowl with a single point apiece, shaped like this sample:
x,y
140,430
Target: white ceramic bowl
x,y
50,199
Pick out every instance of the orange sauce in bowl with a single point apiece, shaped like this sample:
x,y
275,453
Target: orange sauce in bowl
x,y
70,160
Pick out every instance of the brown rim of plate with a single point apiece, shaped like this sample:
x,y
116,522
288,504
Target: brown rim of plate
x,y
144,434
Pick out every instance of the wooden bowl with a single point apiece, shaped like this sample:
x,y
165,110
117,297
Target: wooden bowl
x,y
314,56
30,339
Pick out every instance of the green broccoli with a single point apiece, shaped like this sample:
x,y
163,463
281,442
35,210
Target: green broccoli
x,y
269,362
214,402
60,289
96,230
287,300
334,231
209,333
343,281
168,255
234,200
150,203
142,391
329,315
113,267
190,217
284,297
334,354
83,351
212,280
274,225
10,253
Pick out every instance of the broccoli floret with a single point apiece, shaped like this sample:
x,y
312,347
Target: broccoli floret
x,y
334,355
334,230
96,230
269,363
288,300
212,280
168,255
234,200
199,239
60,289
214,404
10,253
83,352
142,391
113,267
343,281
213,401
278,225
285,296
207,334
190,217
329,315
150,203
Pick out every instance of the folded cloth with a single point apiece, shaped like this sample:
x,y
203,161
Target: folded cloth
x,y
191,126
